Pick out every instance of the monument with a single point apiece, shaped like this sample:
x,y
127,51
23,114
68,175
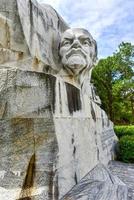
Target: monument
x,y
55,140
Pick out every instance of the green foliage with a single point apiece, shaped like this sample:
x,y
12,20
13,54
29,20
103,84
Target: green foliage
x,y
126,147
113,78
126,143
124,130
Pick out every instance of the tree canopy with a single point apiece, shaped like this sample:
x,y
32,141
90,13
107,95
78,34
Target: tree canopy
x,y
113,78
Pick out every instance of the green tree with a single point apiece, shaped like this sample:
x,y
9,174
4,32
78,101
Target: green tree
x,y
113,78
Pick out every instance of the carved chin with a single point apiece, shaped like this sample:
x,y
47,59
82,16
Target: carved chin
x,y
75,62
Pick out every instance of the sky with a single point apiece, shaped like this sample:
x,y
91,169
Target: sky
x,y
109,21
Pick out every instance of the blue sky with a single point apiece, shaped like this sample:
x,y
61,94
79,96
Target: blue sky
x,y
109,21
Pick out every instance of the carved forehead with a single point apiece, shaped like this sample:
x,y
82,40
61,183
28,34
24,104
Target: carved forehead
x,y
76,33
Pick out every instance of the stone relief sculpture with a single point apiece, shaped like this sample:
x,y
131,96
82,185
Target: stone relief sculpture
x,y
78,54
78,51
53,134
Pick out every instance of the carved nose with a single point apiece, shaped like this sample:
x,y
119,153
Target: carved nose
x,y
76,44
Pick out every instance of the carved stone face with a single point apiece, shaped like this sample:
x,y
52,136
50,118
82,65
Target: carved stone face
x,y
77,50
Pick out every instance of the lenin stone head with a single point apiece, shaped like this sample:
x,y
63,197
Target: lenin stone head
x,y
78,50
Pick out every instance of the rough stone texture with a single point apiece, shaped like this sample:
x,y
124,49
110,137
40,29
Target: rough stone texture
x,y
85,136
53,131
98,184
124,172
13,46
28,142
42,27
30,129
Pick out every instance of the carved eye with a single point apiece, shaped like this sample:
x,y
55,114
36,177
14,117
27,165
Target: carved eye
x,y
87,42
66,42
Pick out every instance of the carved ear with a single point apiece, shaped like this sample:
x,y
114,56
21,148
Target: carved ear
x,y
95,52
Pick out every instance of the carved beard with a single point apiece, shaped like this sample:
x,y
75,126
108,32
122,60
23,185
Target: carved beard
x,y
75,62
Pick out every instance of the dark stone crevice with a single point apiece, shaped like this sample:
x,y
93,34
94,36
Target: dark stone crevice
x,y
93,113
102,119
51,179
73,96
29,180
56,188
53,83
74,150
60,98
75,178
98,153
72,139
31,21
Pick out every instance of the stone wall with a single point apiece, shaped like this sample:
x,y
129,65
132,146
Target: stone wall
x,y
84,133
28,142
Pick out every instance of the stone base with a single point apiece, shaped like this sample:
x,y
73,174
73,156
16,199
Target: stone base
x,y
98,184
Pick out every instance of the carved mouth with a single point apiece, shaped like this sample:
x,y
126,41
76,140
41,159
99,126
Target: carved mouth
x,y
75,52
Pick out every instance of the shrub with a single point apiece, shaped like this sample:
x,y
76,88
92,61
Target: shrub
x,y
126,148
123,130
